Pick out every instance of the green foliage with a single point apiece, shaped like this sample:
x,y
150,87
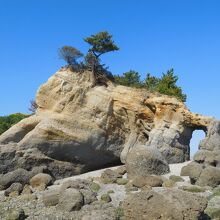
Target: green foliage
x,y
7,121
164,85
130,78
167,85
101,43
70,55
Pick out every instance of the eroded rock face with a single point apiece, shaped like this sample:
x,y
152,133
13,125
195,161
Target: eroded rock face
x,y
205,169
78,127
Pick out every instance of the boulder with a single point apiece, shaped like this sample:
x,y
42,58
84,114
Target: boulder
x,y
41,181
88,195
168,204
210,176
76,184
14,189
143,161
18,176
70,200
212,140
79,127
193,170
51,198
153,181
110,176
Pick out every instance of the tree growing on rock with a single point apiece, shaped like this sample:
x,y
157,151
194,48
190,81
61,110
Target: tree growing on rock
x,y
100,43
70,55
130,78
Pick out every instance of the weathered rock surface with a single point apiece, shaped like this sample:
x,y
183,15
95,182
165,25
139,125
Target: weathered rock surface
x,y
153,181
78,127
41,181
205,169
70,200
143,161
168,204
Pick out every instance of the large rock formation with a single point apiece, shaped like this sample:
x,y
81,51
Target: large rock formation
x,y
205,169
78,127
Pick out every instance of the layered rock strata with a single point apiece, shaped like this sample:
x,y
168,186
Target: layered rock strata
x,y
78,127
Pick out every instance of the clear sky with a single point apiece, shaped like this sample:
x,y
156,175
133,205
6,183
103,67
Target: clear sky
x,y
153,36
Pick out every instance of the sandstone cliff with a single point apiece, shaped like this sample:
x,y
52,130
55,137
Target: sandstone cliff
x,y
78,127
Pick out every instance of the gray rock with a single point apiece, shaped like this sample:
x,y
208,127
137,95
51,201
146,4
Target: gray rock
x,y
15,187
89,196
193,170
76,184
143,161
70,200
212,140
20,176
210,176
110,176
16,215
51,198
153,181
168,204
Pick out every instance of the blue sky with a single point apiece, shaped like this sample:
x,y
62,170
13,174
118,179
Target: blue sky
x,y
153,36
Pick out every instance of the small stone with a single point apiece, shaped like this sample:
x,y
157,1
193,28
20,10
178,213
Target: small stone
x,y
16,215
27,189
89,196
106,198
110,191
70,200
169,184
153,181
41,181
122,181
110,176
121,170
50,198
95,187
176,178
14,190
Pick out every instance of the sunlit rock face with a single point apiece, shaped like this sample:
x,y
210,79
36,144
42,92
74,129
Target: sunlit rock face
x,y
79,127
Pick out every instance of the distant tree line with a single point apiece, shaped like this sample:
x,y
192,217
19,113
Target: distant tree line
x,y
7,121
102,43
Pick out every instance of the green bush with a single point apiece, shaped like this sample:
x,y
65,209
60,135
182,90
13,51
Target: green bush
x,y
166,84
7,121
